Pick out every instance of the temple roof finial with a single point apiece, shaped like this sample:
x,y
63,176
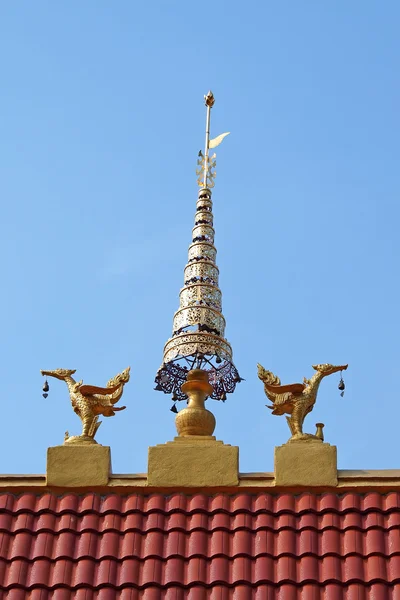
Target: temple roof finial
x,y
198,340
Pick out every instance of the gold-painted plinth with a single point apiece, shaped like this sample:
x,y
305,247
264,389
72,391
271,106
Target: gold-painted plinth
x,y
193,461
78,465
306,463
80,440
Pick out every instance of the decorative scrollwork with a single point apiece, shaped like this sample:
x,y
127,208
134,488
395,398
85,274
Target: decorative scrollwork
x,y
171,376
208,164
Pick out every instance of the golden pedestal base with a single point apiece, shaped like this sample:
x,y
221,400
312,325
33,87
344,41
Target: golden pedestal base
x,y
306,463
193,461
78,465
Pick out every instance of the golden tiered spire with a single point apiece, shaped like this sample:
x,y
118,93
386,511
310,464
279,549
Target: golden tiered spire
x,y
198,340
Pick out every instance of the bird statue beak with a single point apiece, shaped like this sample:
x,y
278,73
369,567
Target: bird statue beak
x,y
337,369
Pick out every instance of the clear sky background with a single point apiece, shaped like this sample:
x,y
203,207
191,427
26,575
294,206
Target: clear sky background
x,y
102,117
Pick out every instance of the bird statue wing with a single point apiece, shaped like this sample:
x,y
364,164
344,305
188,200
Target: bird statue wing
x,y
113,385
90,390
280,395
283,396
292,388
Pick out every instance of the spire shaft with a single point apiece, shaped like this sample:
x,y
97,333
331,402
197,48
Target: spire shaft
x,y
206,165
206,150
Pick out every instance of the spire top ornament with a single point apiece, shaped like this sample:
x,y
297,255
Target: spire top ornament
x,y
198,341
206,172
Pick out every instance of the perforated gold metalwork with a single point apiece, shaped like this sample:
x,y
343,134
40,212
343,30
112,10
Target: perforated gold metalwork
x,y
198,338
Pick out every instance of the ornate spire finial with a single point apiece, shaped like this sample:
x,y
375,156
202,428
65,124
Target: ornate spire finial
x,y
206,171
198,340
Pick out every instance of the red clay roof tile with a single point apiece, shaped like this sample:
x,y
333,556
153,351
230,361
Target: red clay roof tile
x,y
243,547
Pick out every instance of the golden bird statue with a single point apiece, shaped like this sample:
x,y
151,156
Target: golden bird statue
x,y
296,399
90,401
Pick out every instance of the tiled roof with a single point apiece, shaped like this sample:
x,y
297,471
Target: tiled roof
x,y
200,547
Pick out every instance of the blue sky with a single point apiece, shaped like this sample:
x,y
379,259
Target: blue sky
x,y
102,117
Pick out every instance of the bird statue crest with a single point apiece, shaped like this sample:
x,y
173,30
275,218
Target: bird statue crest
x,y
90,401
296,399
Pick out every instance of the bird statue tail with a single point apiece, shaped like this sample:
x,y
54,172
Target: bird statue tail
x,y
117,383
267,376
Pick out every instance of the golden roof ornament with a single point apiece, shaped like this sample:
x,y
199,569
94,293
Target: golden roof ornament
x,y
198,338
206,172
297,399
89,401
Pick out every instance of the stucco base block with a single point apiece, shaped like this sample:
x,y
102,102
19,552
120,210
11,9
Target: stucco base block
x,y
78,466
306,463
193,461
